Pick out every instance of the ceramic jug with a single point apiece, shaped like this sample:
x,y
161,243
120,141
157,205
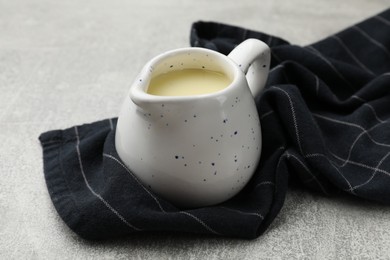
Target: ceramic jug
x,y
202,149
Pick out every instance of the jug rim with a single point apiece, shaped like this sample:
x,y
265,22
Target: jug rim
x,y
230,68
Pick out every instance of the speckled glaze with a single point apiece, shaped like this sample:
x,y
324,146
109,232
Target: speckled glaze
x,y
195,150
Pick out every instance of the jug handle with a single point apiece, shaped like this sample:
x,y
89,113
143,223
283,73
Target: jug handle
x,y
253,57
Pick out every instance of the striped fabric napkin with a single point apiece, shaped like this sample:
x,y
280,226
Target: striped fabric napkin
x,y
324,116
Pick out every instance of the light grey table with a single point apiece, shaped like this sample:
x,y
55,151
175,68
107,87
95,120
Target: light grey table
x,y
70,62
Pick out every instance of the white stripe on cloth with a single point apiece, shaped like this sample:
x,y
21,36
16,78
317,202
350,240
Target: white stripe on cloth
x,y
200,221
365,103
293,117
361,164
373,174
265,183
313,177
136,179
207,227
111,124
375,42
266,114
383,20
357,61
334,166
317,85
322,57
244,213
93,192
354,125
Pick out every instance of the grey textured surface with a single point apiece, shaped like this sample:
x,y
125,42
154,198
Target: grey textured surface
x,y
71,62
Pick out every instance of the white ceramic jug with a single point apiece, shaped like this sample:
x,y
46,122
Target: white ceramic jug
x,y
202,149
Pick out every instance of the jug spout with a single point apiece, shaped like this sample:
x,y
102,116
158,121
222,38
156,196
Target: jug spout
x,y
148,103
138,96
138,91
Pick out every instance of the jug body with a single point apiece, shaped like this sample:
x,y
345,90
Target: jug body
x,y
194,150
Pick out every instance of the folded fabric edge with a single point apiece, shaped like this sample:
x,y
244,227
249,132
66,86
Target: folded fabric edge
x,y
223,37
57,187
61,196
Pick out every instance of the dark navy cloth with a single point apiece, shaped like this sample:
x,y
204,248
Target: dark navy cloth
x,y
324,116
